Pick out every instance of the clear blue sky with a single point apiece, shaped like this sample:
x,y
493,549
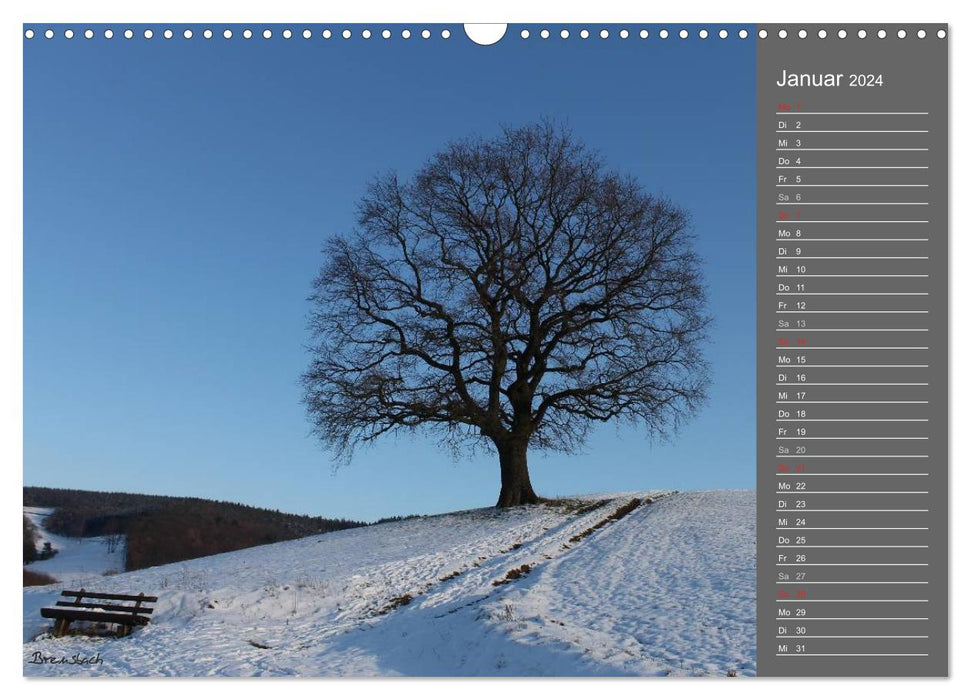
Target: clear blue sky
x,y
176,197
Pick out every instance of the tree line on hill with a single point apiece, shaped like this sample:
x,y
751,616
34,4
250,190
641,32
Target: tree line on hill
x,y
30,542
164,529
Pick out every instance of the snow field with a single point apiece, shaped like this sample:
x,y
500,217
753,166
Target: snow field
x,y
666,590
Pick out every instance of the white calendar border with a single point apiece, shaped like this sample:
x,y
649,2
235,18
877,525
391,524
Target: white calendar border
x,y
438,11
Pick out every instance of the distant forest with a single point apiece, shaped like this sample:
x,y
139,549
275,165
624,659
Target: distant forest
x,y
165,529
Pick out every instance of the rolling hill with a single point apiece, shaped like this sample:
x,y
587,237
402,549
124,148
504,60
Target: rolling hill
x,y
643,583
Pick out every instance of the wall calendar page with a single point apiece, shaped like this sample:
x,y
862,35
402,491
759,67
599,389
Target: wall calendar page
x,y
444,350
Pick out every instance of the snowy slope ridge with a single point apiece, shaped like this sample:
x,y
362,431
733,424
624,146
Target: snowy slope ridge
x,y
666,589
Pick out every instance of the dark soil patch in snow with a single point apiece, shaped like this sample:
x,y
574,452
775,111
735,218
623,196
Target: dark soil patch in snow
x,y
513,574
575,506
396,602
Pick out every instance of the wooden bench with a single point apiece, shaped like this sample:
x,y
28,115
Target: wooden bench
x,y
92,607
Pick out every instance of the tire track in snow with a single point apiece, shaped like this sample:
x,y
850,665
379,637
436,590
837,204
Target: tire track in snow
x,y
669,589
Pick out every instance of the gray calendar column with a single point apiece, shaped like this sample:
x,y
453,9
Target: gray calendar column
x,y
852,350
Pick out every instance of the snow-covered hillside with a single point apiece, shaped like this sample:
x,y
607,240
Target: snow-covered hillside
x,y
79,560
668,589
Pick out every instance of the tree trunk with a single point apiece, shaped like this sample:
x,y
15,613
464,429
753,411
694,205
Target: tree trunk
x,y
516,489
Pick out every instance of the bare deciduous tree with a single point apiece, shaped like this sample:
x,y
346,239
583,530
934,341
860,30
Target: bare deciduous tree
x,y
513,291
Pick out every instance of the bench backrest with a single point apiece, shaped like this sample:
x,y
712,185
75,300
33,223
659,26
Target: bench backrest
x,y
141,597
80,597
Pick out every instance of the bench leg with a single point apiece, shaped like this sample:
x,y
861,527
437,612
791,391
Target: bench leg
x,y
60,627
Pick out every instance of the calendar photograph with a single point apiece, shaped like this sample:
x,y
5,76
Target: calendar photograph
x,y
443,350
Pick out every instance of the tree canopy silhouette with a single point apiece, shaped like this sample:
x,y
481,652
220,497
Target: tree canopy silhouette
x,y
513,291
